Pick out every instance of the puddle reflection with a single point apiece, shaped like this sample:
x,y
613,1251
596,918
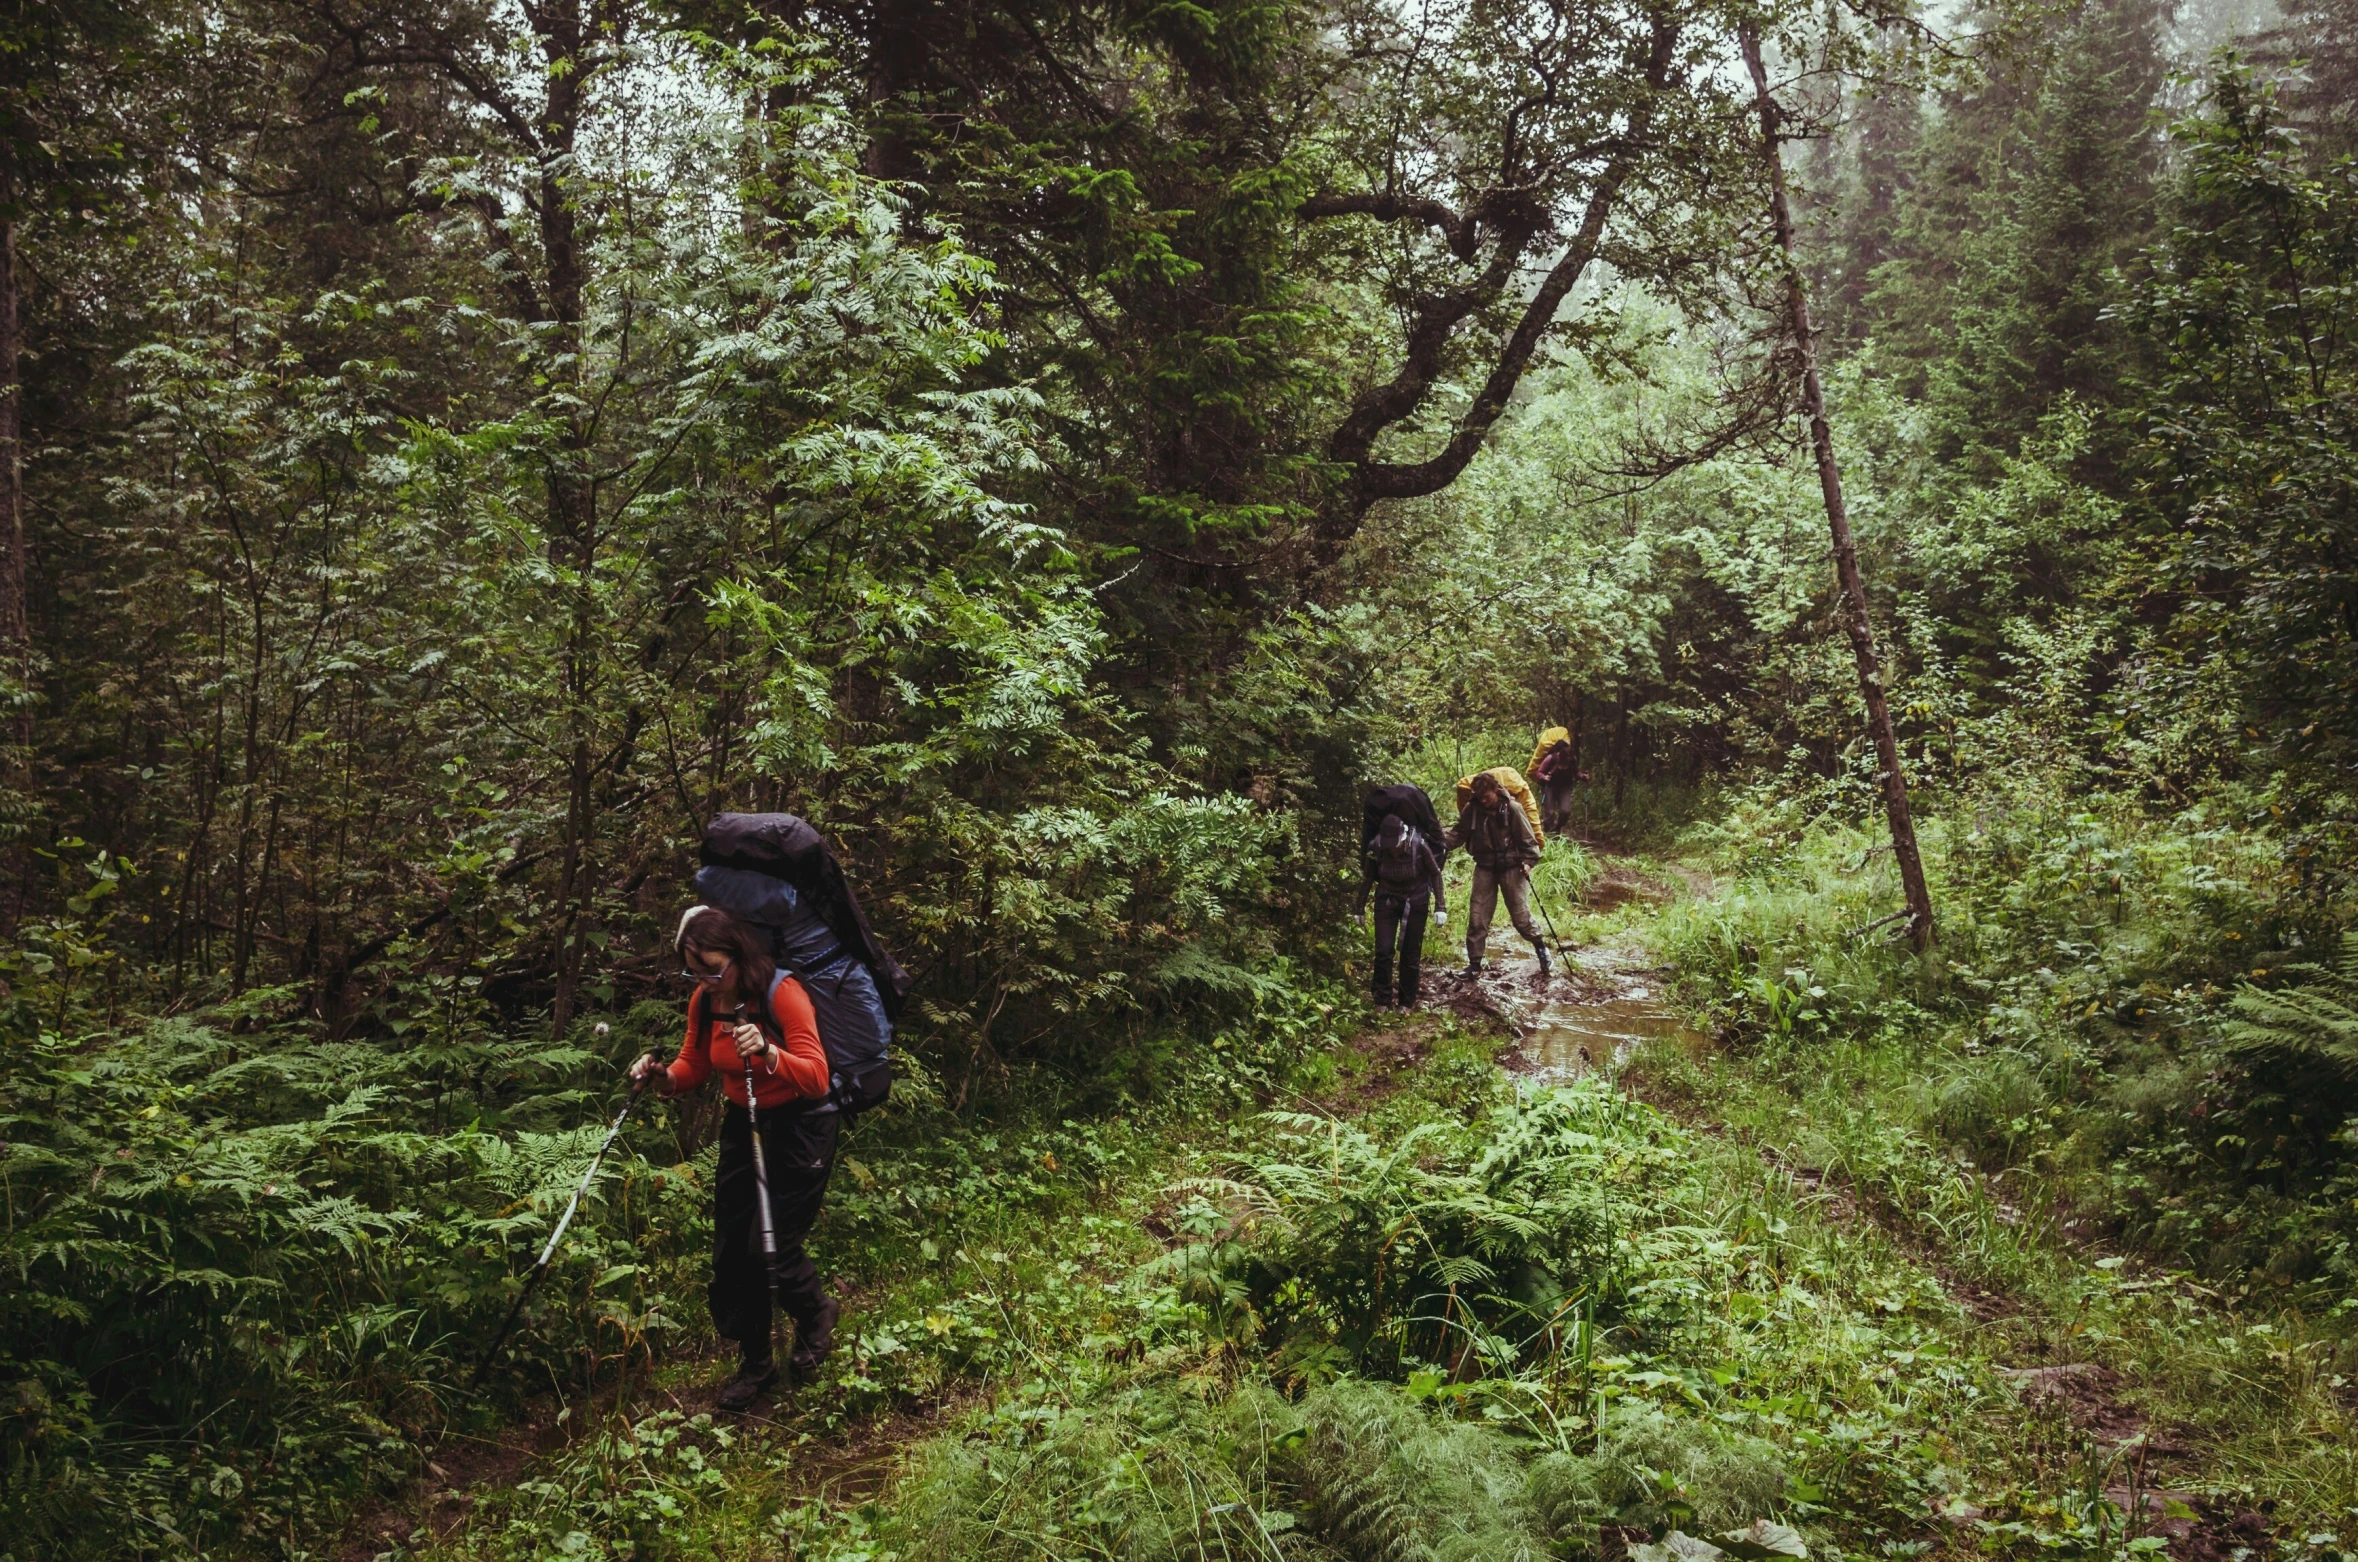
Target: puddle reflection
x,y
1564,1037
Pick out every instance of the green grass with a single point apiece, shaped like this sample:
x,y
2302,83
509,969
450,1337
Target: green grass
x,y
2004,1106
1469,1322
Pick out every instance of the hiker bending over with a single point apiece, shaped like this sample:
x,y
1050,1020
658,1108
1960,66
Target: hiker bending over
x,y
1495,833
1406,878
751,1024
1556,771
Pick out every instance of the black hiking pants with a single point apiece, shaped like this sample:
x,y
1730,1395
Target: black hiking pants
x,y
800,1149
1400,919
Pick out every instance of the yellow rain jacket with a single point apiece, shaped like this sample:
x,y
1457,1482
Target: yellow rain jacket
x,y
1516,788
1549,737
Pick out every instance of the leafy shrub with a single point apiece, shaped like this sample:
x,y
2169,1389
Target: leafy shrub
x,y
249,1271
1381,1479
1159,1468
1431,1248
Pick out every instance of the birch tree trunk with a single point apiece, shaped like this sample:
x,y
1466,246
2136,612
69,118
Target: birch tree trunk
x,y
1846,553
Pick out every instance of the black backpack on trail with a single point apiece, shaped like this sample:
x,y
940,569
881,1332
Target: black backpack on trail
x,y
775,872
1410,806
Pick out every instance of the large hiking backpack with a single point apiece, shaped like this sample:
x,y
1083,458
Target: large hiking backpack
x,y
1549,737
1412,807
783,846
776,873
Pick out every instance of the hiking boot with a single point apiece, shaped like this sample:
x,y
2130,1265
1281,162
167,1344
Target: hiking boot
x,y
1541,951
1473,970
814,1341
752,1377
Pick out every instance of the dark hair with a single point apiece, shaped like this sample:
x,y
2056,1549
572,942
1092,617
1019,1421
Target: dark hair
x,y
714,932
1392,834
1484,781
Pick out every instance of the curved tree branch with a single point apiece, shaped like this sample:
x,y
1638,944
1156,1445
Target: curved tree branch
x,y
1459,230
1436,319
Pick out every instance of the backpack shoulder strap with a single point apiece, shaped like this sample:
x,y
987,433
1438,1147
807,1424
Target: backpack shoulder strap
x,y
769,1018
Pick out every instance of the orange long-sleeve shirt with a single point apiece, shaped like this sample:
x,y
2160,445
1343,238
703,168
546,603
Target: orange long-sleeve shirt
x,y
710,1047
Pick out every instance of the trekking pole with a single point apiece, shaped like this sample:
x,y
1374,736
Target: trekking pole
x,y
1533,885
548,1249
761,1181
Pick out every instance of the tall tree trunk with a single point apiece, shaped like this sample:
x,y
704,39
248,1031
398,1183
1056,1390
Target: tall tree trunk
x,y
16,637
573,518
13,632
1846,553
1617,748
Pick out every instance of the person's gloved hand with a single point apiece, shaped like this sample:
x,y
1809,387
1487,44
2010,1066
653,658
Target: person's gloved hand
x,y
1440,917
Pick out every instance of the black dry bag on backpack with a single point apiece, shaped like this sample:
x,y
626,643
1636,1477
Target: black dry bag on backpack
x,y
1409,804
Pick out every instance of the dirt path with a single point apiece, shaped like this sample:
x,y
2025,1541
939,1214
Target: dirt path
x,y
1601,1002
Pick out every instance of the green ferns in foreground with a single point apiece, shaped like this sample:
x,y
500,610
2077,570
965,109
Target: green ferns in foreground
x,y
250,1271
1478,1322
1473,1340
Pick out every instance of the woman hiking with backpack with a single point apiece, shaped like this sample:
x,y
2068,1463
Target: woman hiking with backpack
x,y
753,1025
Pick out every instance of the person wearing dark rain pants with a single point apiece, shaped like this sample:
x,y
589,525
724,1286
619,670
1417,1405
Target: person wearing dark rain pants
x,y
1494,831
1406,878
754,1027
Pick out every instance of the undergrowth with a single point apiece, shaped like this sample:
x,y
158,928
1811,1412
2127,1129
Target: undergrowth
x,y
2112,1093
252,1272
1479,1323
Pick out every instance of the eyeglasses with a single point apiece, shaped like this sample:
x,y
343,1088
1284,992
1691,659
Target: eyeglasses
x,y
706,977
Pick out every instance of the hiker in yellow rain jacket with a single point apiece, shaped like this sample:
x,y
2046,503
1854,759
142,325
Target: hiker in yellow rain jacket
x,y
1495,831
1555,767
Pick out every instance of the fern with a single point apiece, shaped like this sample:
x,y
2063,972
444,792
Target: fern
x,y
2310,1029
1382,1480
1406,1250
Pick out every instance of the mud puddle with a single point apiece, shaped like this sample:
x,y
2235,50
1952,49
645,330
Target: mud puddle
x,y
1598,1006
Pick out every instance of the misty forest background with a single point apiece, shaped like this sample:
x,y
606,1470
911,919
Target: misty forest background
x,y
450,450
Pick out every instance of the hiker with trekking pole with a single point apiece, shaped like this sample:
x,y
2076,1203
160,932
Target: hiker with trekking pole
x,y
793,1007
753,1025
1504,841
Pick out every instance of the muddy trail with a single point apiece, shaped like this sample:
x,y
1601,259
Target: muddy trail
x,y
1596,1007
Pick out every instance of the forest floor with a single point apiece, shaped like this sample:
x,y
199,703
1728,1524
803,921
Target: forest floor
x,y
2093,1396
